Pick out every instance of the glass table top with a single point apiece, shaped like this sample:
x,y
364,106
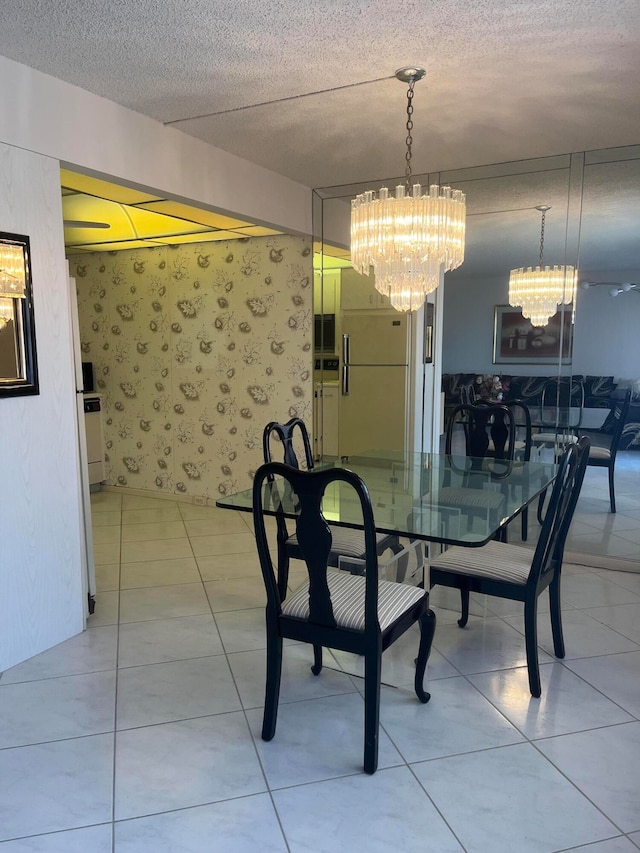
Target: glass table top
x,y
438,497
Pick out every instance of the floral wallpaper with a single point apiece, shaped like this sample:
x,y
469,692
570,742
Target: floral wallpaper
x,y
195,348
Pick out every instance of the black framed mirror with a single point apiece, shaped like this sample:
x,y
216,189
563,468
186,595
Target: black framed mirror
x,y
18,362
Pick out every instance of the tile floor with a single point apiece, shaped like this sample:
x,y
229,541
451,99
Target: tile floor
x,y
142,733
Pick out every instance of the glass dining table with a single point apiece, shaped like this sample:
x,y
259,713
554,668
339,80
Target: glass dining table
x,y
411,494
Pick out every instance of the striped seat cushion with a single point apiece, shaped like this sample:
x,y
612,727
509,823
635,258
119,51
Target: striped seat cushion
x,y
495,560
552,438
345,541
599,453
347,599
480,498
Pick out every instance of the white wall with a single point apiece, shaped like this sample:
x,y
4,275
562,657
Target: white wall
x,y
607,336
44,121
607,330
42,114
41,600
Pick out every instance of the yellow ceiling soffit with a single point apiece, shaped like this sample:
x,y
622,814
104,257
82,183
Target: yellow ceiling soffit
x,y
112,247
193,214
102,189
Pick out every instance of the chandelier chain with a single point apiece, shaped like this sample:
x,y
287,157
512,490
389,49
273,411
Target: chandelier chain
x,y
541,261
409,139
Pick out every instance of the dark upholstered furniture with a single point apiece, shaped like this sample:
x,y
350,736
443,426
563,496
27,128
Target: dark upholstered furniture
x,y
600,392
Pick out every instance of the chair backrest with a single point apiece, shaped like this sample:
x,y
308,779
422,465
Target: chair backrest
x,y
564,393
620,412
286,433
564,497
481,423
467,394
300,493
522,417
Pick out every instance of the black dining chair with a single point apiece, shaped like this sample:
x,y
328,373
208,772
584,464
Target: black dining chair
x,y
605,441
485,432
346,542
336,609
518,573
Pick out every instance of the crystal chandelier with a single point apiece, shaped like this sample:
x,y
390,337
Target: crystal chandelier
x,y
6,312
12,271
408,237
538,291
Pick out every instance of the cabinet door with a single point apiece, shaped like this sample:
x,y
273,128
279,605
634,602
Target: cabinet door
x,y
359,292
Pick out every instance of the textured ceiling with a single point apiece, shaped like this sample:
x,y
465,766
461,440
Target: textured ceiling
x,y
504,80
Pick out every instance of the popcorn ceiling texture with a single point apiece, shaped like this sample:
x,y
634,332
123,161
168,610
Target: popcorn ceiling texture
x,y
195,348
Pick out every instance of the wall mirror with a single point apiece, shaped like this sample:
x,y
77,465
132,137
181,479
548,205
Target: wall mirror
x,y
593,224
18,363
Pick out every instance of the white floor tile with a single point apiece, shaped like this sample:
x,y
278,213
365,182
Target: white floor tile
x,y
56,708
617,676
102,501
163,602
298,682
162,640
155,549
235,594
178,690
318,739
623,618
188,763
104,519
247,825
584,635
142,502
510,799
594,590
108,552
159,573
242,630
148,516
107,577
214,525
483,646
90,651
457,719
384,813
568,704
605,765
226,566
107,607
613,845
91,839
107,535
635,837
153,530
223,543
55,786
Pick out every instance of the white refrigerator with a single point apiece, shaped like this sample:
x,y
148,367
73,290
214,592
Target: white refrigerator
x,y
374,381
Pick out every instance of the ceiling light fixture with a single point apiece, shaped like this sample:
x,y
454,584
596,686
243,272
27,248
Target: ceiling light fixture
x,y
539,290
615,288
409,237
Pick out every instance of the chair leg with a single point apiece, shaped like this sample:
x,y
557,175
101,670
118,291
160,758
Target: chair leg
x,y
427,630
556,617
316,669
372,672
464,600
612,494
531,643
525,524
272,691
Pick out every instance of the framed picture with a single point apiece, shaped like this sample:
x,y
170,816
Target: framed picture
x,y
18,364
516,341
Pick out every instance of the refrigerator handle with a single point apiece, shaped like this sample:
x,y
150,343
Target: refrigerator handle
x,y
346,357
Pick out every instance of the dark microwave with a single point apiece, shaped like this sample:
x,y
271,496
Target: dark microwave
x,y
324,332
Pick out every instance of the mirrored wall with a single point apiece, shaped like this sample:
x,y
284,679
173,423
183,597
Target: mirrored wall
x,y
594,224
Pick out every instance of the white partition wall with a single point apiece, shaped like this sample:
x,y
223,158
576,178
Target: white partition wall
x,y
41,600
